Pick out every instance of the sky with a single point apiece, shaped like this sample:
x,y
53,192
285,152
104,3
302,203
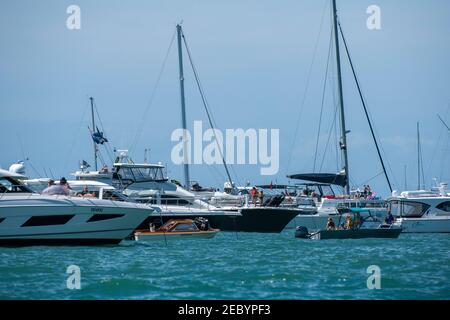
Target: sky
x,y
262,65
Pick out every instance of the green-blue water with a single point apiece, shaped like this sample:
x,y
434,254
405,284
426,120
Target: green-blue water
x,y
234,266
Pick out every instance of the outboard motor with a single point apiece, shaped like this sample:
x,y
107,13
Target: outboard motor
x,y
301,232
202,223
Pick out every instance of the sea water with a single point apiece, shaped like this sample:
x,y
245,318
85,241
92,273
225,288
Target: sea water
x,y
234,266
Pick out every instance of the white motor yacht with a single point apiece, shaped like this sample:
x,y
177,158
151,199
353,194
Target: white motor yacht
x,y
28,218
422,211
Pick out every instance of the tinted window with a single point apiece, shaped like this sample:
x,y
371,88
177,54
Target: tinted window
x,y
100,217
185,227
412,209
47,220
444,206
9,186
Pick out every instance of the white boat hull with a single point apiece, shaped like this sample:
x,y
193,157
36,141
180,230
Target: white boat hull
x,y
422,225
55,221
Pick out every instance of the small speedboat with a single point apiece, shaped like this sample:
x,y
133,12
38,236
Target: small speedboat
x,y
365,228
177,229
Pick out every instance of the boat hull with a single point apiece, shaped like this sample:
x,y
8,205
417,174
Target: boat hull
x,y
157,236
357,234
252,219
421,225
255,219
38,220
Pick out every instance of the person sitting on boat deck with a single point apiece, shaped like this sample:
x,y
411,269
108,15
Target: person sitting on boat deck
x,y
349,222
254,194
61,189
389,218
330,224
50,183
86,193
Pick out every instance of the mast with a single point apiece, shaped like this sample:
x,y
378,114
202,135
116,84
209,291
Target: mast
x,y
93,130
343,142
183,109
418,157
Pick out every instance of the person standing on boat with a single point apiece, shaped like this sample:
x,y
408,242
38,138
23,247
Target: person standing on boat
x,y
254,194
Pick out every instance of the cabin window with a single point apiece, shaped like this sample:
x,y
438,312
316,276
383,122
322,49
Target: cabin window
x,y
10,186
412,209
185,227
444,206
101,217
36,221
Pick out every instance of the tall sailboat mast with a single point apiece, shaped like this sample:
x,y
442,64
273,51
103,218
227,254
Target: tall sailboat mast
x,y
343,142
183,110
419,160
93,130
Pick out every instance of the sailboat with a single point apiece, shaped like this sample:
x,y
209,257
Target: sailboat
x,y
328,205
267,217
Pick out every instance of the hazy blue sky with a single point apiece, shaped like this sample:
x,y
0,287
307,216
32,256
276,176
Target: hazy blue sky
x,y
253,58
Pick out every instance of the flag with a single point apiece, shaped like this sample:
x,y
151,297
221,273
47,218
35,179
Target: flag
x,y
84,164
98,137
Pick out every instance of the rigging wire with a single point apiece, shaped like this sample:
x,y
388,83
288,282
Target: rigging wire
x,y
441,133
322,104
364,105
205,104
152,96
333,125
107,146
370,179
75,140
302,105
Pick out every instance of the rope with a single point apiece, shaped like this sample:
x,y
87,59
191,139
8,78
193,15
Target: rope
x,y
75,140
205,104
333,124
302,105
322,104
364,106
152,96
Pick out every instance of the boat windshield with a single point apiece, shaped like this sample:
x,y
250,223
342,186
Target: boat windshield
x,y
409,209
141,174
9,185
185,227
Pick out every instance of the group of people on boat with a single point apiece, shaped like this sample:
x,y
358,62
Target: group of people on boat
x,y
367,193
347,225
64,189
350,224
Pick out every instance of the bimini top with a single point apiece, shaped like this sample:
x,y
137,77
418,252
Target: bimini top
x,y
6,173
339,179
